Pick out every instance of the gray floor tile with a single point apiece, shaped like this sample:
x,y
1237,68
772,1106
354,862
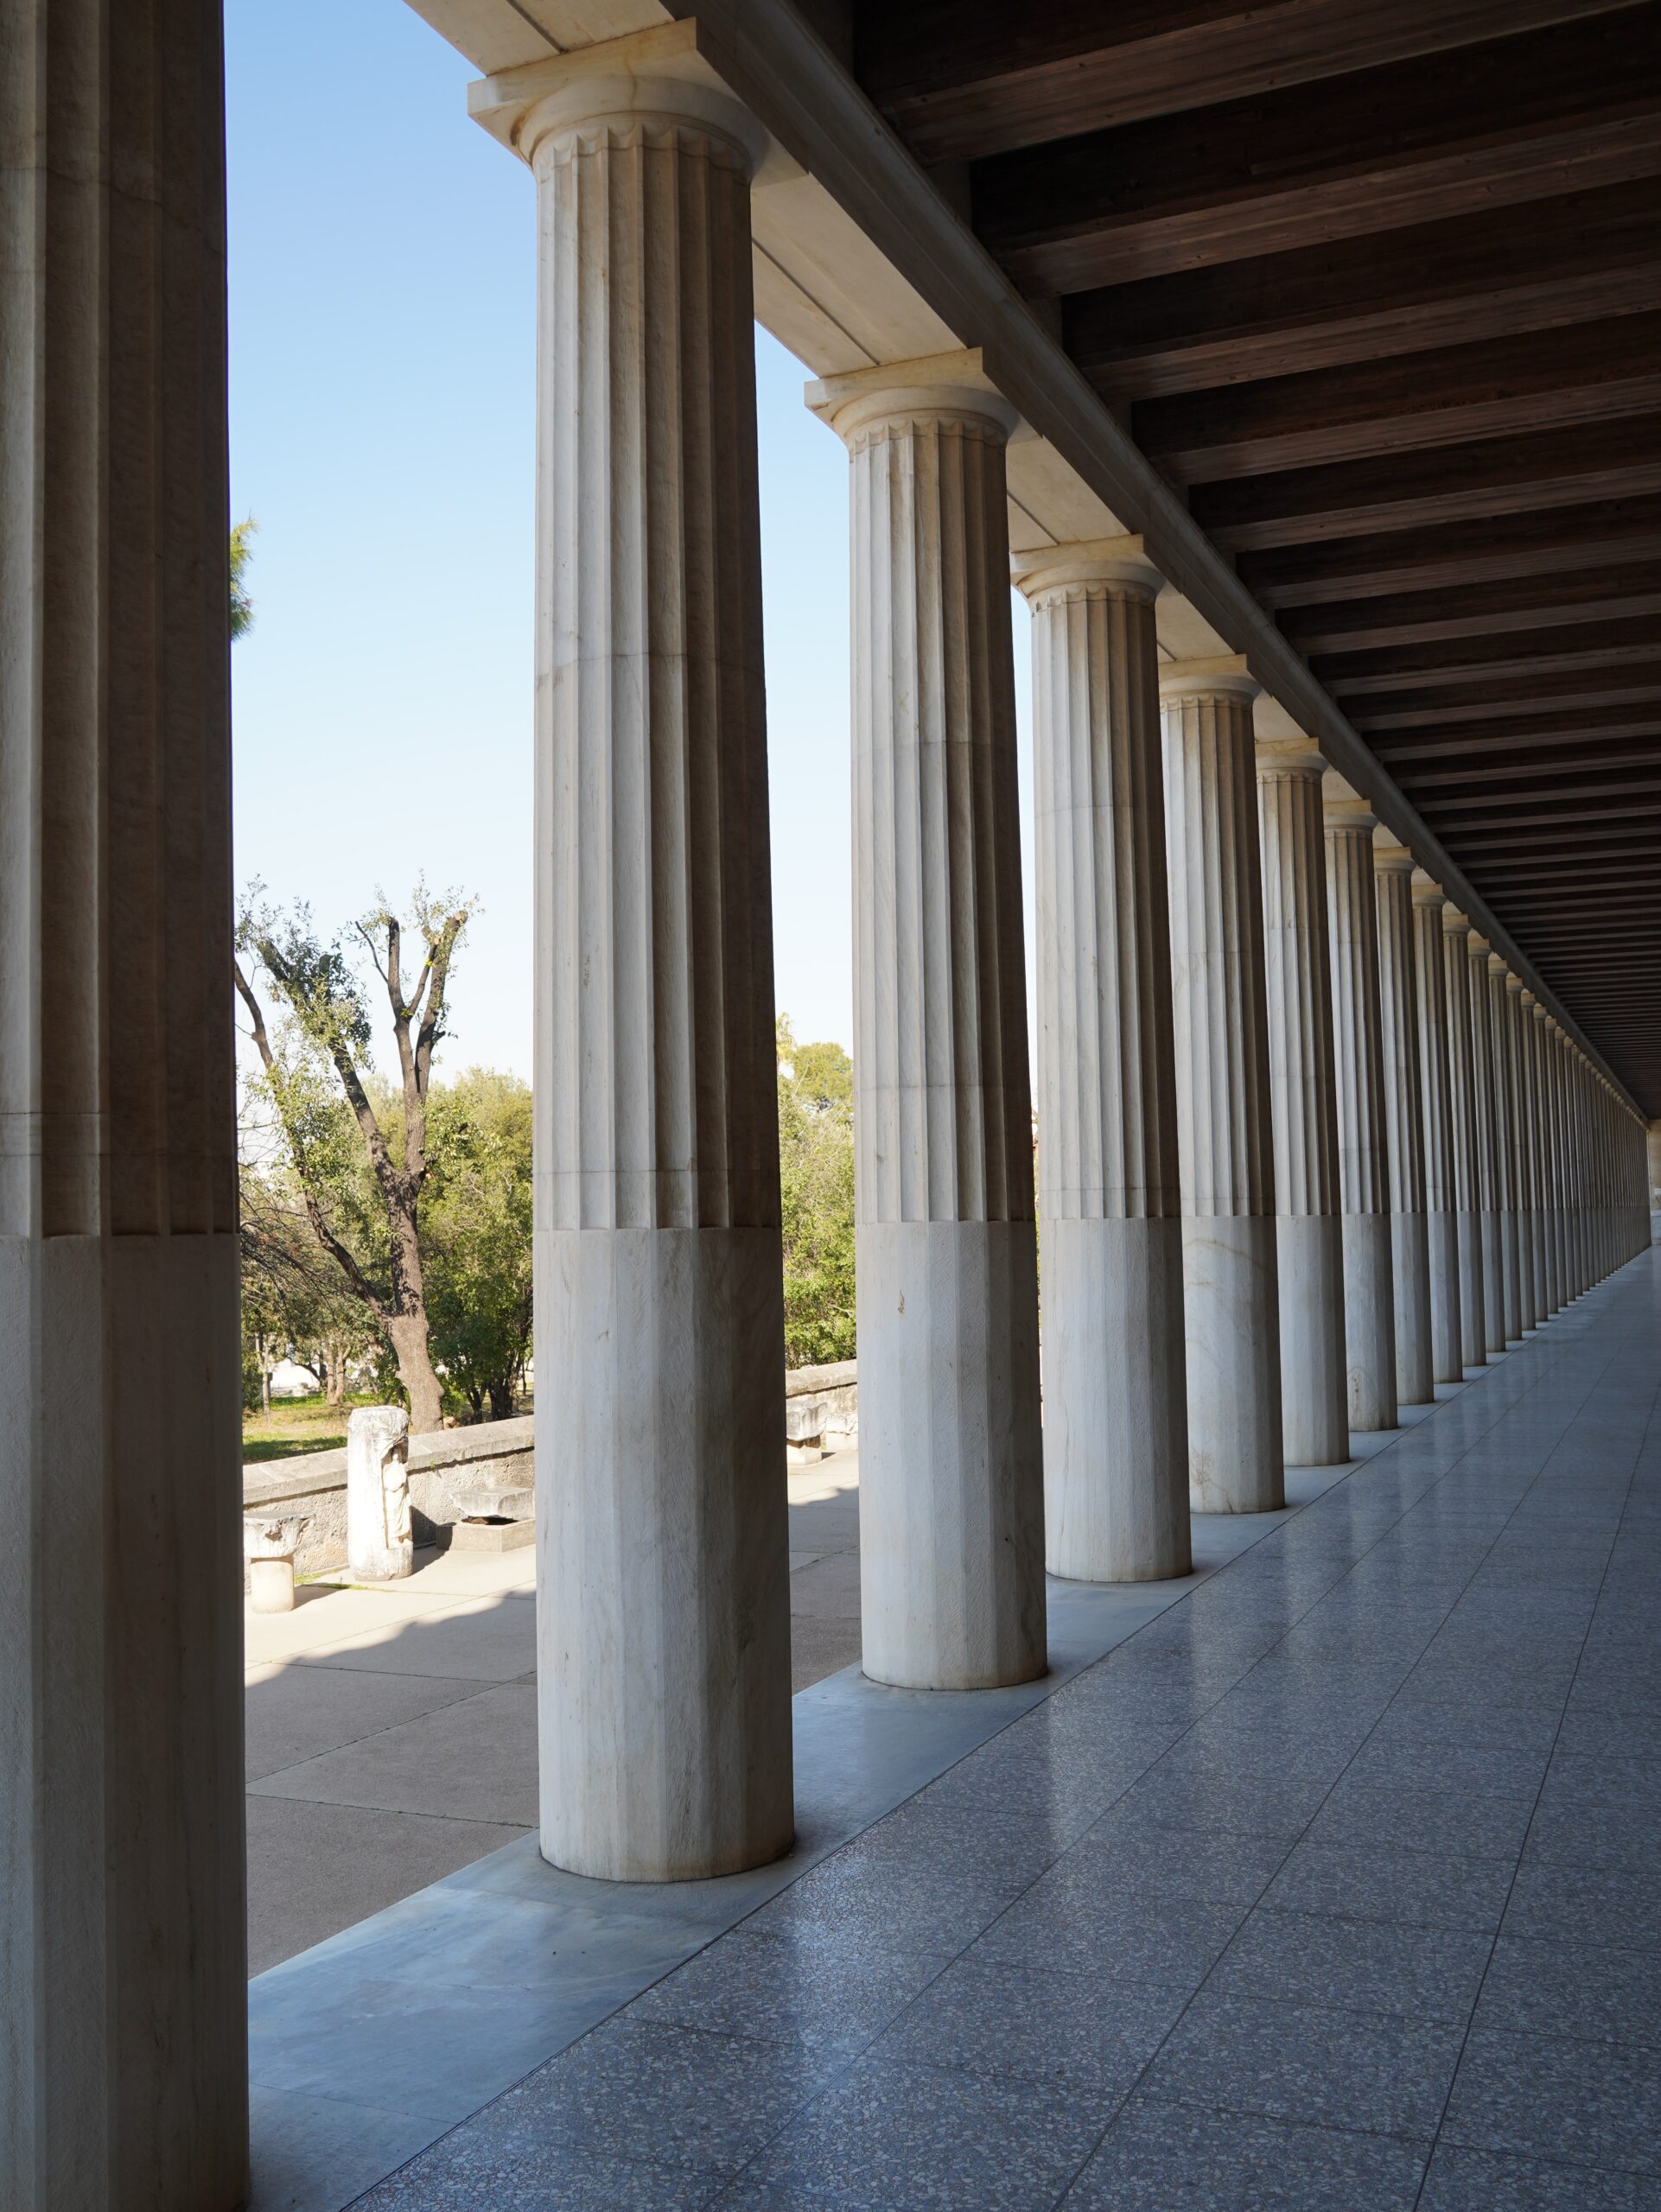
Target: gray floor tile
x,y
1077,1931
1423,1816
897,2138
1367,1966
300,1712
1275,1807
1126,1855
1550,2097
478,2168
1379,1883
1309,2063
797,1983
1461,2180
1572,1989
1165,2158
1093,2032
902,1907
1595,1905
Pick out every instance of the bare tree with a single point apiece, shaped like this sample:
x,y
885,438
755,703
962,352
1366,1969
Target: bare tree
x,y
317,985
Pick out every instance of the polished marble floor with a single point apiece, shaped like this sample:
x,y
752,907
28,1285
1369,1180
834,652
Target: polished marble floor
x,y
1336,1884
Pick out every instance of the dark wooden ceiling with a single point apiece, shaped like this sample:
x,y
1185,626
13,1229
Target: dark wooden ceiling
x,y
1376,284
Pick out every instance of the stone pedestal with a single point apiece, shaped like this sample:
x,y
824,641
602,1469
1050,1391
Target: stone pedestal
x,y
1309,1237
663,1633
379,1536
1231,1287
123,2072
1462,1119
1440,1188
1504,1130
1485,1103
1357,1066
951,1507
1116,1424
1409,1243
269,1548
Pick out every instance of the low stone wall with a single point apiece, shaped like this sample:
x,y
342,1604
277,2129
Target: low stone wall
x,y
821,1411
497,1452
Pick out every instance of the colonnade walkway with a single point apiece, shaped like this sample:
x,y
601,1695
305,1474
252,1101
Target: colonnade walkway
x,y
1333,1884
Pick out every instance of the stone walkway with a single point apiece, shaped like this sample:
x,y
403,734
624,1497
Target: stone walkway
x,y
1336,1885
391,1732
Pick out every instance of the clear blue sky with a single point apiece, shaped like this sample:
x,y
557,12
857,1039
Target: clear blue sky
x,y
382,285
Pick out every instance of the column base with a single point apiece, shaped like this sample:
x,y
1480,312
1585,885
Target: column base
x,y
1232,1336
1315,1408
1369,1321
1116,1417
664,1620
950,1456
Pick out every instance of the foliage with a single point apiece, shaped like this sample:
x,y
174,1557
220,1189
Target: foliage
x,y
242,607
476,1236
815,1169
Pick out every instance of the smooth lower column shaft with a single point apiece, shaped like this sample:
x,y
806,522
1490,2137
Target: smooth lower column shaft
x,y
123,2061
951,1506
1358,1057
1441,1190
1231,1292
1309,1234
1409,1245
1110,1197
1463,1118
662,1622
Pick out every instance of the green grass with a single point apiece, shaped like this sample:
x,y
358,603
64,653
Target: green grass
x,y
297,1425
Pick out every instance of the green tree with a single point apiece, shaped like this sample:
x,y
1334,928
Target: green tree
x,y
816,1171
242,607
358,1152
476,1236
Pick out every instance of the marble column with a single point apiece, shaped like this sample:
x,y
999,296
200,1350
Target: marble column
x,y
1110,1193
1550,1212
1505,1128
1308,1225
1532,1289
1231,1294
1490,1236
1409,1245
123,2070
952,1498
1440,1190
1359,1071
1462,1116
663,1631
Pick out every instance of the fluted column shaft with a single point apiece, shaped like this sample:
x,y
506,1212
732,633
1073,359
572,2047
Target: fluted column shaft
x,y
122,1950
1404,1120
663,1623
1463,1118
952,1561
1504,1125
1550,1210
1440,1189
1485,1109
1358,1073
1309,1234
1531,1284
1224,1112
1109,1195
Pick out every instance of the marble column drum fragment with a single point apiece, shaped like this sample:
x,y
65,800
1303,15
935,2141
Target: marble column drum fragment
x,y
951,1505
123,2056
1403,1119
1229,1286
1309,1233
1440,1189
1116,1424
1463,1118
1358,1074
1489,1237
1505,1133
664,1631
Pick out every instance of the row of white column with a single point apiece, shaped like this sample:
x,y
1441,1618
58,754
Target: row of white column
x,y
1292,1169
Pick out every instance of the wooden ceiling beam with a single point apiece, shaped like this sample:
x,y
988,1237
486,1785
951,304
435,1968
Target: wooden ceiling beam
x,y
1482,550
961,78
1454,396
1488,742
1509,272
1523,118
1505,697
1415,618
1484,808
1606,460
1616,641
1563,768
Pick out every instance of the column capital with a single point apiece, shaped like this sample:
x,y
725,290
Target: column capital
x,y
1513,982
1453,924
1498,964
1114,565
1344,807
1389,856
1290,756
1427,892
1224,675
1477,946
938,387
657,79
